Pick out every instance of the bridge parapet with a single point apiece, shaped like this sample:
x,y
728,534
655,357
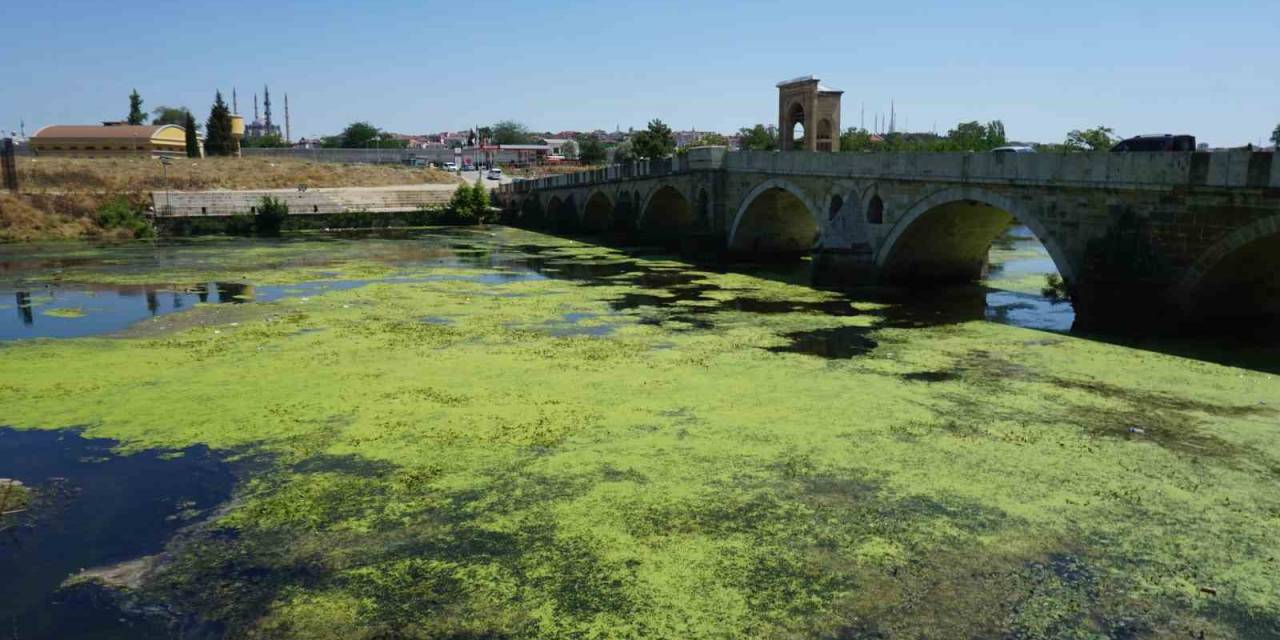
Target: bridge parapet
x,y
1229,169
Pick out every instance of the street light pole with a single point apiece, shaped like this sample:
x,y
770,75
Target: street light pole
x,y
164,167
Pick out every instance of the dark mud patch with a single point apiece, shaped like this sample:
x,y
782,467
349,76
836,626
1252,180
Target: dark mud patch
x,y
93,507
930,376
839,343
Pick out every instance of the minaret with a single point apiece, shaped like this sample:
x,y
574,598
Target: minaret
x,y
266,105
287,138
235,104
255,107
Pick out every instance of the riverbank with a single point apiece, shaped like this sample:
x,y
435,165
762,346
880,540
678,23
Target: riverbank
x,y
497,433
65,198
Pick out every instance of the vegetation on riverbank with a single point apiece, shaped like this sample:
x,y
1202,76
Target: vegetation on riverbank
x,y
64,198
661,451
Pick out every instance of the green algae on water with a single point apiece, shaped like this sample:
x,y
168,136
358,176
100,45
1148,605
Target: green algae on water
x,y
679,476
64,312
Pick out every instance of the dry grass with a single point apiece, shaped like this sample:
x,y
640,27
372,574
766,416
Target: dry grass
x,y
130,175
26,218
60,197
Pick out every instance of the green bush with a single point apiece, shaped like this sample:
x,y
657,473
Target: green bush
x,y
119,214
469,204
270,216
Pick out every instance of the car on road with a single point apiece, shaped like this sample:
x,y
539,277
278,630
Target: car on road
x,y
1014,148
450,166
1158,142
494,174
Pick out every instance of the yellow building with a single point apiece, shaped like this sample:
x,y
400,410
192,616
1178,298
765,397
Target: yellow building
x,y
110,140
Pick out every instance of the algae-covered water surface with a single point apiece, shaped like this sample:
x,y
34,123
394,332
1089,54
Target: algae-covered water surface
x,y
493,433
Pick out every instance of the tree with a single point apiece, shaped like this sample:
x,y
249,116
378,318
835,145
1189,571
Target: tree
x,y
656,141
856,139
136,116
218,140
511,132
358,135
169,115
625,152
470,202
968,136
758,138
591,150
1096,139
710,140
569,149
995,135
193,143
1275,137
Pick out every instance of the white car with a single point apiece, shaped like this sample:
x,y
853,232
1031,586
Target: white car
x,y
1014,149
495,174
450,166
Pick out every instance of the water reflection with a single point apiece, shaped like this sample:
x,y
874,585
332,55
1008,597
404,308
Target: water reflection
x,y
23,300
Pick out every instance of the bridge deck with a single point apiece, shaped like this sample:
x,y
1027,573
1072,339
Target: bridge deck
x,y
1229,169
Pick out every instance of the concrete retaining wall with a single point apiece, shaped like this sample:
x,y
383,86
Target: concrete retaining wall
x,y
317,201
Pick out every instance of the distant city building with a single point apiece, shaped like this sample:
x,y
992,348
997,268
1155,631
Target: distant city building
x,y
110,140
687,138
263,126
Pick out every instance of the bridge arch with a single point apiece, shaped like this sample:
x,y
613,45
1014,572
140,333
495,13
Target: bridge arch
x,y
563,217
947,235
597,213
666,209
531,211
1237,277
775,217
794,123
552,211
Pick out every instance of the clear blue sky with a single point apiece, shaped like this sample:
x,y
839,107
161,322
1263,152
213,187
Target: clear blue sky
x,y
1043,67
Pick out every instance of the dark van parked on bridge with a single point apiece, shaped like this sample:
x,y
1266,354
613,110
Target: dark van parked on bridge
x,y
1158,142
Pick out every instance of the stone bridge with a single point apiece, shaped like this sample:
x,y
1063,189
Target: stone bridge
x,y
1137,237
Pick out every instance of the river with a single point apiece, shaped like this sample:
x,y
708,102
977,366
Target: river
x,y
499,433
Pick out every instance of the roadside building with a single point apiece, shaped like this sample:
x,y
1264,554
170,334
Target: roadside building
x,y
110,140
556,145
527,153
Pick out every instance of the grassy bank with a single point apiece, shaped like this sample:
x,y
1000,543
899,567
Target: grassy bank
x,y
65,198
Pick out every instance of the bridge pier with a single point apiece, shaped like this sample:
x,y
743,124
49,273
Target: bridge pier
x,y
845,267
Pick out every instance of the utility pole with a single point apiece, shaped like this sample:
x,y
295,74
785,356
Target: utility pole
x,y
9,167
164,166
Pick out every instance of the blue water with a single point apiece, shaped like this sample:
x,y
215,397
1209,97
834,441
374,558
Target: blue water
x,y
25,311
